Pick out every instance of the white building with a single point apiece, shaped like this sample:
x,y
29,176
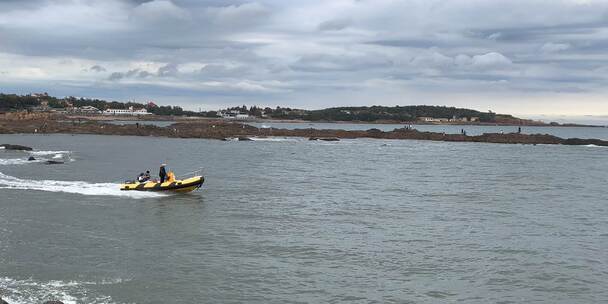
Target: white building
x,y
234,115
87,110
432,119
129,111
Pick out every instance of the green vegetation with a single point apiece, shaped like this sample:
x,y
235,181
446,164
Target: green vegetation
x,y
41,102
398,113
13,102
373,113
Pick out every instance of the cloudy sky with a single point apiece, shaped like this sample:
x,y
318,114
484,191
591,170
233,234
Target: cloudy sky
x,y
525,57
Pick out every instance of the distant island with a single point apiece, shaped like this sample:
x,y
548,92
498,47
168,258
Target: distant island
x,y
414,114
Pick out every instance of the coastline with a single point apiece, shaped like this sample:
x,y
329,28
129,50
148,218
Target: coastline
x,y
222,130
299,121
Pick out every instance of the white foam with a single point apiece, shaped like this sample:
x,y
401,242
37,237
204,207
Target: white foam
x,y
41,153
594,146
69,292
77,187
274,139
17,161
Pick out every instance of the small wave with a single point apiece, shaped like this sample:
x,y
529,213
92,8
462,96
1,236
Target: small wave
x,y
31,291
76,187
594,146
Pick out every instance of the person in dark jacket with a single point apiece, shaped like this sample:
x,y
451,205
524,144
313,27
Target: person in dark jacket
x,y
162,173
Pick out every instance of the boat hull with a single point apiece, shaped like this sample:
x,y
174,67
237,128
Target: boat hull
x,y
186,185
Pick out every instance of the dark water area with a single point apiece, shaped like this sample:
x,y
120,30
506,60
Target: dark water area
x,y
564,132
287,220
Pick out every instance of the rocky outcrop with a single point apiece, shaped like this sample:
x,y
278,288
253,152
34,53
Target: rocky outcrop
x,y
223,130
585,142
324,138
15,147
53,162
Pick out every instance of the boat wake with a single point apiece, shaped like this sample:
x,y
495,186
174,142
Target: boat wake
x,y
18,161
43,153
76,187
40,156
31,291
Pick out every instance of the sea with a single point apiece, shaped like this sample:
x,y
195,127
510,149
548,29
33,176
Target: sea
x,y
288,220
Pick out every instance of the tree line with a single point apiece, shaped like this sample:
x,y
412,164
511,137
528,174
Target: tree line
x,y
12,102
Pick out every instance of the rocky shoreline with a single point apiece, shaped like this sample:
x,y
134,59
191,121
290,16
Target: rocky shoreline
x,y
218,129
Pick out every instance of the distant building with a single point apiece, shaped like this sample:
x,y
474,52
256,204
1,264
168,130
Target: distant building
x,y
39,95
84,110
234,114
129,111
459,119
432,119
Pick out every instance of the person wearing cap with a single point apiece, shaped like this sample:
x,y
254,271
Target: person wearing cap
x,y
162,173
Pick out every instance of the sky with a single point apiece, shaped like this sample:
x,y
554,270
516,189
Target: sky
x,y
529,57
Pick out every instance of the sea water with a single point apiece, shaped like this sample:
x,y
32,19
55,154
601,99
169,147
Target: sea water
x,y
287,220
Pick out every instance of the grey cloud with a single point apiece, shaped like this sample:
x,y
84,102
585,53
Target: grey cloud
x,y
334,24
551,47
324,62
116,76
134,73
169,69
97,68
409,43
222,71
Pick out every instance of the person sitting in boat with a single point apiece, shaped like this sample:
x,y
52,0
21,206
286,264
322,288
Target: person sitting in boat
x,y
147,176
144,177
162,173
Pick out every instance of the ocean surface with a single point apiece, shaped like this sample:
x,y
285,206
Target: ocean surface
x,y
287,220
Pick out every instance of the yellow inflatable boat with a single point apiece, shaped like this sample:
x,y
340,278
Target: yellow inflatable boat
x,y
173,185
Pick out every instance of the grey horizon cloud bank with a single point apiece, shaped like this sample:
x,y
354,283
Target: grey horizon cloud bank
x,y
522,57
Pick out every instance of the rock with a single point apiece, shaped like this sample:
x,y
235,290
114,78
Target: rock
x,y
325,138
51,302
584,142
2,301
16,147
243,138
31,158
53,162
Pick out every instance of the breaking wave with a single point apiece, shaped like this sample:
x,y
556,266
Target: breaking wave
x,y
77,187
71,292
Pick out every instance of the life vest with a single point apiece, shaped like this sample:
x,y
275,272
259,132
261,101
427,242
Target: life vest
x,y
170,176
